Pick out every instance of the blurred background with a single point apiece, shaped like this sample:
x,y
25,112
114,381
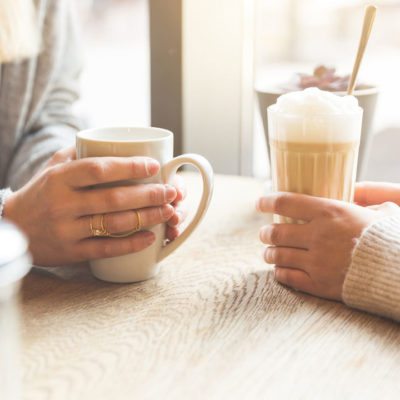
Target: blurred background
x,y
297,35
116,78
226,48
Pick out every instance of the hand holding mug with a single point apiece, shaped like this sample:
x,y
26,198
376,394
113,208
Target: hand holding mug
x,y
156,144
54,208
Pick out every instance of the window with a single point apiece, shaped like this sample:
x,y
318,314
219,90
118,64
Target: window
x,y
296,35
116,77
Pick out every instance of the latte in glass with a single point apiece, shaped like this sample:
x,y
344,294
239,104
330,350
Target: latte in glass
x,y
314,137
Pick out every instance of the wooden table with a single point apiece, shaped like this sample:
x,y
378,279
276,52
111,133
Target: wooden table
x,y
212,325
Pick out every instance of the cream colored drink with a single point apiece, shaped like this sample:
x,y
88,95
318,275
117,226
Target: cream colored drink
x,y
314,137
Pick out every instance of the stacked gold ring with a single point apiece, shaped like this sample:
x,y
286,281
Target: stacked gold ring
x,y
103,232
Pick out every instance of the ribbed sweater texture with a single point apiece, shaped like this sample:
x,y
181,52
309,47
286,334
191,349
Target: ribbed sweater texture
x,y
372,282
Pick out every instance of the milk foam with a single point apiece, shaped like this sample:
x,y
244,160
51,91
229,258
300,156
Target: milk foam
x,y
314,115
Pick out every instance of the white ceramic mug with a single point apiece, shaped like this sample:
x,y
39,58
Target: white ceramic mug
x,y
157,144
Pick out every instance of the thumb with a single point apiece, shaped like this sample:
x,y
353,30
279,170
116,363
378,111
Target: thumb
x,y
370,193
62,156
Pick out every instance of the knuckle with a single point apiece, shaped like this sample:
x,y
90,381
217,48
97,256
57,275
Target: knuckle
x,y
332,210
51,176
97,170
113,199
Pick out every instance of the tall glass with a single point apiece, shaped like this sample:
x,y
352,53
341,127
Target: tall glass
x,y
314,154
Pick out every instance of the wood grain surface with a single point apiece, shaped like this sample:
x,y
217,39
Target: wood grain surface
x,y
212,325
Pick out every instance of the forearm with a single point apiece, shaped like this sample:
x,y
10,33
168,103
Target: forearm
x,y
373,280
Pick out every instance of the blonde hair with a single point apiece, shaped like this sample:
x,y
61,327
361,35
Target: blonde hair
x,y
19,30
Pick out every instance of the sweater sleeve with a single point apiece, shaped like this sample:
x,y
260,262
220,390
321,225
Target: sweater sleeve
x,y
372,282
55,123
4,193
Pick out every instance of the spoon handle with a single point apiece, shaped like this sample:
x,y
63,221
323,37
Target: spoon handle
x,y
369,17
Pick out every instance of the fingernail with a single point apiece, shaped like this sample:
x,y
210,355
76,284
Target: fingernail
x,y
178,216
267,255
258,205
152,166
167,211
170,193
173,233
176,219
262,233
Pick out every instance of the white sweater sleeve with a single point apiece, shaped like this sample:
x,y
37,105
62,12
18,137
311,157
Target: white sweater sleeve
x,y
372,282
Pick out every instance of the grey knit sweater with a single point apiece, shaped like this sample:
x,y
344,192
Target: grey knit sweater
x,y
36,98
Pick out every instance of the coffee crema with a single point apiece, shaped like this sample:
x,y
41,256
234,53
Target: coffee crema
x,y
316,169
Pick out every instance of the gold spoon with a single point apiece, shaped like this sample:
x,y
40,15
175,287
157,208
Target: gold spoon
x,y
369,17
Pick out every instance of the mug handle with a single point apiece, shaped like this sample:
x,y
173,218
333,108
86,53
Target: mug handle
x,y
168,171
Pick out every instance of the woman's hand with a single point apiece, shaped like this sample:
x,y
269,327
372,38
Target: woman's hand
x,y
314,257
175,223
54,208
372,193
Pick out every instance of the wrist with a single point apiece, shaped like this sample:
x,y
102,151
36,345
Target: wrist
x,y
7,200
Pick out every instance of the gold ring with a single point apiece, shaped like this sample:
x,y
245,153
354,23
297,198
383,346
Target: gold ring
x,y
94,231
104,231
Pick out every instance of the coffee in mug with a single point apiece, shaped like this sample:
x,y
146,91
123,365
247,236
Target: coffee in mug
x,y
157,144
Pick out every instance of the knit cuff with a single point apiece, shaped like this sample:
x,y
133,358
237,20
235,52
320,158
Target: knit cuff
x,y
4,193
372,282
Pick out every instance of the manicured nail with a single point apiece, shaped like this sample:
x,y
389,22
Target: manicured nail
x,y
170,193
178,217
268,255
175,220
263,232
167,211
152,166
